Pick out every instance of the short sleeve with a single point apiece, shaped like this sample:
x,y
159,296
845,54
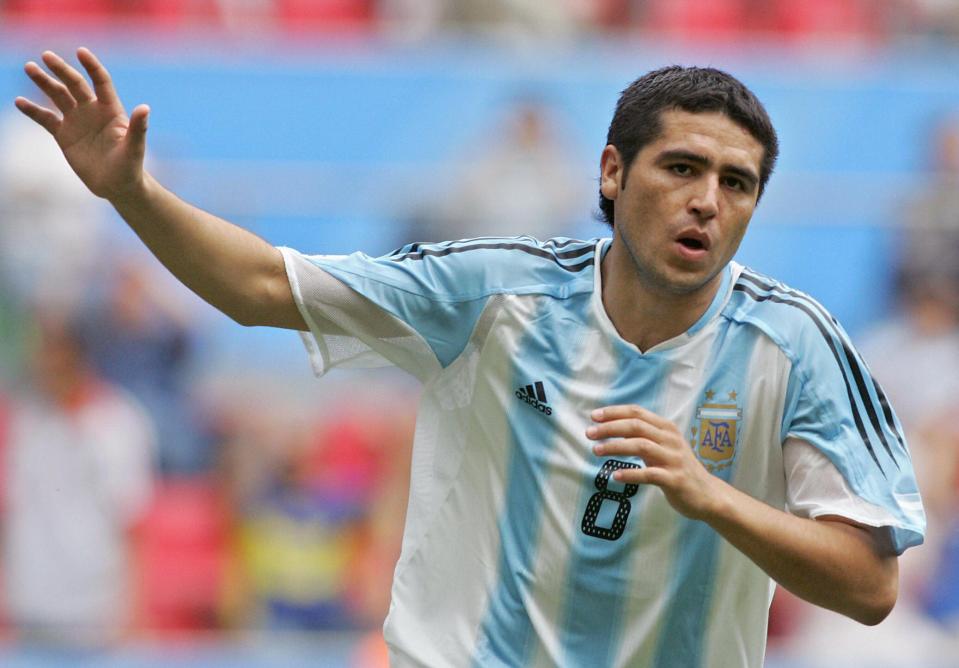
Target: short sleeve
x,y
815,488
417,307
835,405
348,330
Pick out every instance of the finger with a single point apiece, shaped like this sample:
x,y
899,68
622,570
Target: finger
x,y
619,412
643,448
648,475
47,118
102,82
56,91
137,131
76,84
624,428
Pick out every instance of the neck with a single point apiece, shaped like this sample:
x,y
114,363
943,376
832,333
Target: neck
x,y
644,313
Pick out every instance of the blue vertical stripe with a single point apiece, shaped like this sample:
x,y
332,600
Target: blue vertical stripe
x,y
690,587
506,635
599,570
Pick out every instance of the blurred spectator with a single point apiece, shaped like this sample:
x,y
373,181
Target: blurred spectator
x,y
939,18
517,179
933,217
411,19
50,227
291,548
318,513
915,354
141,338
77,476
516,20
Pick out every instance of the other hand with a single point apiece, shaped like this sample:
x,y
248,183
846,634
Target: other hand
x,y
669,460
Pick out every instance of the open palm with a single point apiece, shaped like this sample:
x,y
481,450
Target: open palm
x,y
102,145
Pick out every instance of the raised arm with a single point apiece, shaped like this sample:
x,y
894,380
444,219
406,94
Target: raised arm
x,y
229,267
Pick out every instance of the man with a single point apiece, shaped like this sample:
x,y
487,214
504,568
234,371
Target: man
x,y
77,479
609,430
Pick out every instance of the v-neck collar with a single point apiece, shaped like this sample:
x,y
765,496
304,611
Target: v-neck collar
x,y
606,325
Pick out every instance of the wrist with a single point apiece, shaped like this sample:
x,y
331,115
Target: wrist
x,y
134,194
718,503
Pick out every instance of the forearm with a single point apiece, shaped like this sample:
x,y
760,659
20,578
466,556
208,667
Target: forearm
x,y
828,563
232,269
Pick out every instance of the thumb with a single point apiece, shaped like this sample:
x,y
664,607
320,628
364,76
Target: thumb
x,y
137,131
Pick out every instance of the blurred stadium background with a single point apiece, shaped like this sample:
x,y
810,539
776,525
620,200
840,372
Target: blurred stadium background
x,y
268,518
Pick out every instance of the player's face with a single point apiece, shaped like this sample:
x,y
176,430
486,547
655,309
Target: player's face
x,y
684,206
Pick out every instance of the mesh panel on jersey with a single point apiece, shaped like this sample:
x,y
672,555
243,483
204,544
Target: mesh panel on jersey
x,y
349,330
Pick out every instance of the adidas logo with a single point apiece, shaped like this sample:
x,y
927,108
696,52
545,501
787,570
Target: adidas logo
x,y
535,395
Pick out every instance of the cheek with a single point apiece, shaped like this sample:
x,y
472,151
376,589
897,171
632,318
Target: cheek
x,y
657,208
735,235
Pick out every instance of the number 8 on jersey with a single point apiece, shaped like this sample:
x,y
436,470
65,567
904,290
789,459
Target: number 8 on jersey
x,y
590,528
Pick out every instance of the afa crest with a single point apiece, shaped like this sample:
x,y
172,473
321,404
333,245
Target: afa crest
x,y
715,432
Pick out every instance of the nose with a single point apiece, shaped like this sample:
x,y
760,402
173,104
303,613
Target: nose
x,y
705,201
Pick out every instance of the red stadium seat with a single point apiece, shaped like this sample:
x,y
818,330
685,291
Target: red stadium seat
x,y
324,15
825,17
52,12
695,18
182,557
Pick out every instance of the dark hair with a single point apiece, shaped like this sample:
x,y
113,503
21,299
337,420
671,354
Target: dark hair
x,y
636,121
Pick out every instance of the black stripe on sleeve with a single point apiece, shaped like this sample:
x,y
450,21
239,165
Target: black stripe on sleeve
x,y
859,372
887,413
739,287
883,402
420,253
409,248
569,242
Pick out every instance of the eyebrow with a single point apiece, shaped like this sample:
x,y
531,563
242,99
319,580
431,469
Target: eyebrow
x,y
679,154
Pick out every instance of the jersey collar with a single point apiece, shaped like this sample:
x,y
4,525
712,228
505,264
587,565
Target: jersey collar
x,y
606,325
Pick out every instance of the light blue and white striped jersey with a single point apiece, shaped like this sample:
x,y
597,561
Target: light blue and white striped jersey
x,y
519,548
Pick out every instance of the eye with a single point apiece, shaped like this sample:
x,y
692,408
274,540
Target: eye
x,y
681,169
734,182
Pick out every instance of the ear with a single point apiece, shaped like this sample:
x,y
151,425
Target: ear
x,y
610,172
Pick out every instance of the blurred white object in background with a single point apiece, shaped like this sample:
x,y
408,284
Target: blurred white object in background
x,y
50,226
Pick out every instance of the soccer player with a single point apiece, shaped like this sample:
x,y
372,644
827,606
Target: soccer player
x,y
622,442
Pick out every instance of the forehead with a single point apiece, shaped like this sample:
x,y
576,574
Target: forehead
x,y
712,134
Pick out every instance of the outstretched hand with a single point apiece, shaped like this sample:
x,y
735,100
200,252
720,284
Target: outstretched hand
x,y
101,143
669,460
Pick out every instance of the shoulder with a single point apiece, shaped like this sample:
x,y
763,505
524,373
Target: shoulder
x,y
801,326
475,268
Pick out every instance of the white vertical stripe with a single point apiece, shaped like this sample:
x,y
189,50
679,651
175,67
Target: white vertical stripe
x,y
746,592
467,472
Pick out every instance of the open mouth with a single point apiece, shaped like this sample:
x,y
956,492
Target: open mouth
x,y
692,244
